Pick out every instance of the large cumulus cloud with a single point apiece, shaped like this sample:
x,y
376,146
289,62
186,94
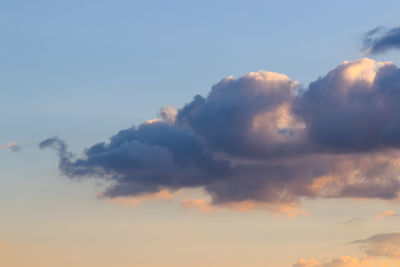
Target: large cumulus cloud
x,y
262,138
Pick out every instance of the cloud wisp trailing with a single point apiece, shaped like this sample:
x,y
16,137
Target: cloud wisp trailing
x,y
381,250
262,139
380,40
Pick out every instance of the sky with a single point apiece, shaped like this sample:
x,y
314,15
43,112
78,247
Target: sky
x,y
199,133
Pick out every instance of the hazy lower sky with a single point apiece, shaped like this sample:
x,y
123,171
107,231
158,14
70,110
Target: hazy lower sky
x,y
256,133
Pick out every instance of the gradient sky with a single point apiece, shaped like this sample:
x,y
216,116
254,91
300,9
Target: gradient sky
x,y
84,70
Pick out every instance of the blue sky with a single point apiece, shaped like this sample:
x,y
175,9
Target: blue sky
x,y
128,58
123,60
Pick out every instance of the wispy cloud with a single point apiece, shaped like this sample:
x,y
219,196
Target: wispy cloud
x,y
13,146
379,40
343,261
381,245
133,201
354,221
199,204
387,213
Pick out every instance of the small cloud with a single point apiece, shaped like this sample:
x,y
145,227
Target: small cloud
x,y
346,261
307,263
380,250
354,221
204,205
133,201
198,204
13,146
168,114
388,213
380,40
381,245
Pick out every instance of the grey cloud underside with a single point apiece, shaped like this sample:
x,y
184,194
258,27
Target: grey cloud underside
x,y
380,40
261,137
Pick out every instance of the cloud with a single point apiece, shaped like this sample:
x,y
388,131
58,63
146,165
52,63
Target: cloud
x,y
342,261
261,140
346,261
380,40
387,213
198,204
381,245
354,221
13,146
168,114
379,250
133,201
307,263
246,117
205,205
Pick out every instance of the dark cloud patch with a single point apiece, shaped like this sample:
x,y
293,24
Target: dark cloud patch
x,y
380,40
262,138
